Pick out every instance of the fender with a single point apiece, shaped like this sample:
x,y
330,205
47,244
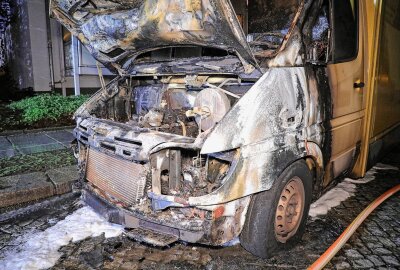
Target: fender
x,y
253,171
272,129
275,106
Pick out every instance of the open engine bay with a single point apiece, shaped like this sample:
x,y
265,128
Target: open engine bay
x,y
177,110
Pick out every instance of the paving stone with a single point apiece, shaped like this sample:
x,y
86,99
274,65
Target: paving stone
x,y
4,238
362,264
391,261
338,262
390,211
63,178
5,144
27,140
347,204
393,234
376,260
37,224
63,136
364,250
374,230
381,251
342,266
34,143
386,226
6,148
8,153
40,148
356,240
373,245
386,242
70,170
396,239
368,238
396,229
24,188
353,254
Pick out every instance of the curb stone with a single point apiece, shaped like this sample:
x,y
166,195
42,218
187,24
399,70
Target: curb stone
x,y
22,188
38,130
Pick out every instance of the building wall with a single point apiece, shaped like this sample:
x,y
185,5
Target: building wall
x,y
6,8
39,48
29,54
20,57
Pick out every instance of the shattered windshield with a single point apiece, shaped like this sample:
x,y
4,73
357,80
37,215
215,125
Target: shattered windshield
x,y
269,22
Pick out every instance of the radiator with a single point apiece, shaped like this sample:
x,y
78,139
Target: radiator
x,y
122,179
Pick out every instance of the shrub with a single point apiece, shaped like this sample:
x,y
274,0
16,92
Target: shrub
x,y
47,106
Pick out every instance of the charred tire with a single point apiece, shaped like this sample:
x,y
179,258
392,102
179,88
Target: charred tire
x,y
276,218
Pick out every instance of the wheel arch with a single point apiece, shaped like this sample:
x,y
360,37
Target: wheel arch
x,y
258,215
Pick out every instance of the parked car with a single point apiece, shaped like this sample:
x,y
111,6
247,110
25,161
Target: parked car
x,y
226,119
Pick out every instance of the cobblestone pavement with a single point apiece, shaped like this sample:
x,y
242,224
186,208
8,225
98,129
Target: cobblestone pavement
x,y
375,245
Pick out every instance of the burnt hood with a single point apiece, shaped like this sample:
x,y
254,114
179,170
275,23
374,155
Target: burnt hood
x,y
117,31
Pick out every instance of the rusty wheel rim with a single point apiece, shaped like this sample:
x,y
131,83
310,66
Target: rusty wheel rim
x,y
289,211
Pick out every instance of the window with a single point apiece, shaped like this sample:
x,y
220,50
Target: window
x,y
345,26
271,16
268,24
317,33
67,45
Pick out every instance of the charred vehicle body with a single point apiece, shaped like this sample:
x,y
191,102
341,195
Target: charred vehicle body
x,y
221,121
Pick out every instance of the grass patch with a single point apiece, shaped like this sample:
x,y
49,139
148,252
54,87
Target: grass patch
x,y
47,107
36,162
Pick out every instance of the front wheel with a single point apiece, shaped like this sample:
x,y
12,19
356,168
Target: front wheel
x,y
276,218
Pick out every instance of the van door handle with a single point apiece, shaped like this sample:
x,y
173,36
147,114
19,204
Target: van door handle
x,y
359,85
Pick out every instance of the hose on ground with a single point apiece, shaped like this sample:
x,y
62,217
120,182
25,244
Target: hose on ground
x,y
339,243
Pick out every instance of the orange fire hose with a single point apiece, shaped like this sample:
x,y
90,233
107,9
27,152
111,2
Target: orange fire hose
x,y
339,243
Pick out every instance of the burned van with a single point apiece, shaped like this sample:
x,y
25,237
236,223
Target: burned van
x,y
226,118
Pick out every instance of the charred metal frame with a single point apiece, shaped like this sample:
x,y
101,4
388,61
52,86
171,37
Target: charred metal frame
x,y
282,116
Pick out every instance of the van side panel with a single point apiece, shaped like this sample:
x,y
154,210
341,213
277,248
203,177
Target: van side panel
x,y
385,124
387,94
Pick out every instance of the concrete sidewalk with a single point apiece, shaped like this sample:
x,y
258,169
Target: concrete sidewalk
x,y
22,188
28,143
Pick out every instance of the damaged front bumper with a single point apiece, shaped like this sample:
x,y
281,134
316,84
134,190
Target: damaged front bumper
x,y
138,227
215,227
122,181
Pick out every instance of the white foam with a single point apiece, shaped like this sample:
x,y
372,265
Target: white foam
x,y
369,176
332,198
381,166
344,190
40,251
